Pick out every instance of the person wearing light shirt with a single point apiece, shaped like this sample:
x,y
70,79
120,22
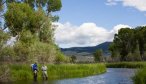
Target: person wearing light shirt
x,y
44,72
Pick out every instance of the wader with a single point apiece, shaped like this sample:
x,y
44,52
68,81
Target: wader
x,y
35,75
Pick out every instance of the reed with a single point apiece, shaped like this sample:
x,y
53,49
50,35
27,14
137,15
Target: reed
x,y
126,65
56,71
140,76
75,70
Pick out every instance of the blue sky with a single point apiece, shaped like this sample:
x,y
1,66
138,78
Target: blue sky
x,y
80,11
107,15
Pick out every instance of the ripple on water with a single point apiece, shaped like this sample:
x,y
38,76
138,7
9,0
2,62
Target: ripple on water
x,y
112,76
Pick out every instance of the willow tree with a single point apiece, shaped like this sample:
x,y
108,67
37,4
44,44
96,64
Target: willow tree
x,y
3,38
141,38
98,55
123,41
32,29
21,17
48,6
51,5
34,32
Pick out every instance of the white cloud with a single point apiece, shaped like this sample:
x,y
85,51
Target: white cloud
x,y
118,27
87,34
138,4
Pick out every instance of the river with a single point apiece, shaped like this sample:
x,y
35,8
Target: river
x,y
112,76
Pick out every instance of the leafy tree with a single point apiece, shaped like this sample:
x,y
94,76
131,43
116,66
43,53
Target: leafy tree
x,y
73,58
140,36
48,6
33,31
114,52
136,53
7,54
4,50
124,44
51,5
130,43
98,55
3,38
21,17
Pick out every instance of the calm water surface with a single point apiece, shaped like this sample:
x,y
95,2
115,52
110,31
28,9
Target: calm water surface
x,y
112,76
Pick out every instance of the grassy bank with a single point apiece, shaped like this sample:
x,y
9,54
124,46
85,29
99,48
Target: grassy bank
x,y
75,70
126,65
23,72
140,77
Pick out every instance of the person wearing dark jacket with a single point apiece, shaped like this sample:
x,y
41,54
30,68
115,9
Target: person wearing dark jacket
x,y
35,70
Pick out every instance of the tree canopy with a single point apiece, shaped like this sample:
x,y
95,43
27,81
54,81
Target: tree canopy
x,y
32,27
98,55
51,5
130,42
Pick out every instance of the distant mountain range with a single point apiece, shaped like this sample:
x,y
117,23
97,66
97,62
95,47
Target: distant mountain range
x,y
86,51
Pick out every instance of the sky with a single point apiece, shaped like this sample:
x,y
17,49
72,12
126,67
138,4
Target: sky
x,y
91,22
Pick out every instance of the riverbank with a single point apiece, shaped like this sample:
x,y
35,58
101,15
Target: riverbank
x,y
126,65
140,76
23,72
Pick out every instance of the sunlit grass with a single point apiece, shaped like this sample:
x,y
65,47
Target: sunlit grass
x,y
140,77
75,70
126,65
56,71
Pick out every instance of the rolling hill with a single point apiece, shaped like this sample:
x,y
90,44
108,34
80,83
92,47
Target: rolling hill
x,y
86,51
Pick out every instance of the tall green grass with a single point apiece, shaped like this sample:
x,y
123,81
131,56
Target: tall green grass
x,y
60,71
75,70
126,65
140,77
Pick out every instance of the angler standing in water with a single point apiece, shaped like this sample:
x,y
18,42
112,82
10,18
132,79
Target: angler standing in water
x,y
44,72
35,70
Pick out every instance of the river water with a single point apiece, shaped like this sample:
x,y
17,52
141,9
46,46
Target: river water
x,y
112,76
